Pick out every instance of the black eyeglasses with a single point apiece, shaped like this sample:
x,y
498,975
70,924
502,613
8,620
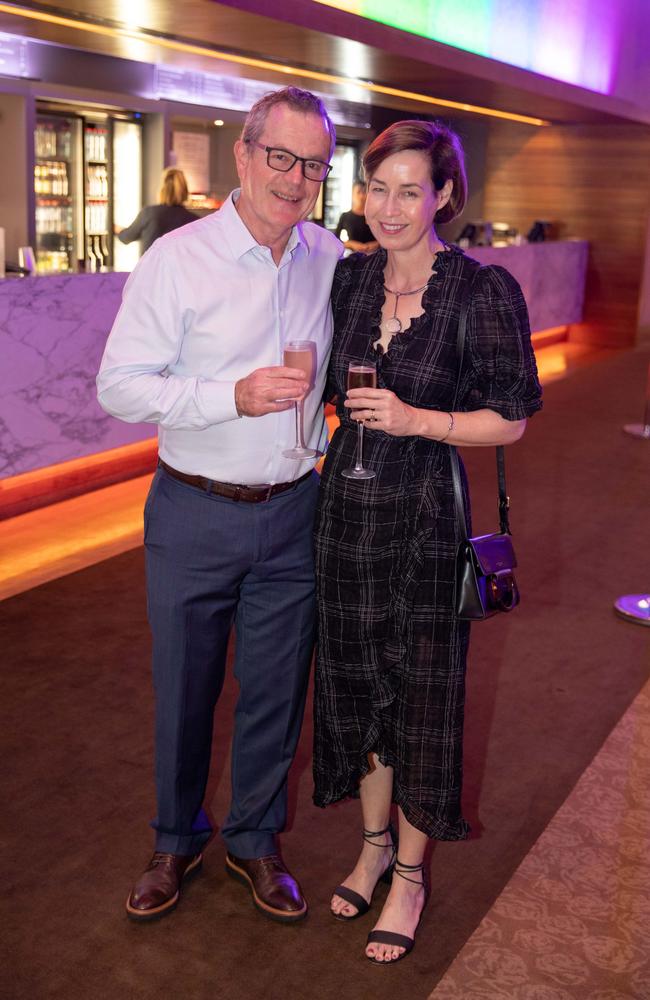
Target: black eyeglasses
x,y
282,159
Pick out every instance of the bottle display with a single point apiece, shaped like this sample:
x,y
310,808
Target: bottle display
x,y
87,177
53,181
97,201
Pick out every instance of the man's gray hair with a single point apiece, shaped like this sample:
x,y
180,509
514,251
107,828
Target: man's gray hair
x,y
299,100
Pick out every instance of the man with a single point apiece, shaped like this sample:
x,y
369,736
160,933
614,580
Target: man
x,y
357,231
197,347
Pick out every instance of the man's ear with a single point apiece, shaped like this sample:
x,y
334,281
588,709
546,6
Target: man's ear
x,y
241,152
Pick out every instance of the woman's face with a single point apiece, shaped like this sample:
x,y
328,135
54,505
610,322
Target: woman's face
x,y
402,201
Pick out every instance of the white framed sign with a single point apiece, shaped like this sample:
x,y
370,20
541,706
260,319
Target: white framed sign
x,y
192,156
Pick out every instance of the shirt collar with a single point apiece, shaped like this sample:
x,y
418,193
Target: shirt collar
x,y
241,240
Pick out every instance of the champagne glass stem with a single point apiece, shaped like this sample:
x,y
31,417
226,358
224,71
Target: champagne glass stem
x,y
295,407
358,466
299,424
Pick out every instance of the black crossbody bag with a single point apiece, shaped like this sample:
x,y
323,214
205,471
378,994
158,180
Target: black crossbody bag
x,y
485,580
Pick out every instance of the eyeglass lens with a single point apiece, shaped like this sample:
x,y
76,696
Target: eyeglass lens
x,y
280,159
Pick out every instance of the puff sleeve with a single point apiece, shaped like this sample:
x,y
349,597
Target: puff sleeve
x,y
503,372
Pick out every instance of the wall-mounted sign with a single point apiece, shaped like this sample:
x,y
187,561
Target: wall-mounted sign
x,y
13,56
239,94
192,155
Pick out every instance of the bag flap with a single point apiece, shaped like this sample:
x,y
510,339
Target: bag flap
x,y
494,553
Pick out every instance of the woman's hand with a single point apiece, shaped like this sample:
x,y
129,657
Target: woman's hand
x,y
382,410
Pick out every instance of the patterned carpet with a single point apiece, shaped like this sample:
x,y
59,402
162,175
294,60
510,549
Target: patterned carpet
x,y
572,924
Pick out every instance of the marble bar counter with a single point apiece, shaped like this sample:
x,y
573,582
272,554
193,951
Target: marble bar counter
x,y
52,335
53,330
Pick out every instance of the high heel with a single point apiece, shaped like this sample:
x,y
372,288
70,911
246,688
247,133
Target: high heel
x,y
355,898
390,937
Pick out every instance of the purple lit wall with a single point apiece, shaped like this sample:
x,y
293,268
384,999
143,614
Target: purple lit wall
x,y
576,41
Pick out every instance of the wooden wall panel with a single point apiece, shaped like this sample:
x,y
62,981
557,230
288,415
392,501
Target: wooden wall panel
x,y
593,183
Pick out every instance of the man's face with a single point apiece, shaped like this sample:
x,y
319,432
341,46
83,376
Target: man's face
x,y
272,202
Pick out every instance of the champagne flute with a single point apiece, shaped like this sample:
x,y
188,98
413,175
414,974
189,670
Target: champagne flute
x,y
301,354
360,377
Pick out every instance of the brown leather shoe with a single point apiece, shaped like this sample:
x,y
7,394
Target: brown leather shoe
x,y
158,889
275,892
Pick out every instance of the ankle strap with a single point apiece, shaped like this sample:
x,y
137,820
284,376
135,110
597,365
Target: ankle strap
x,y
368,834
408,868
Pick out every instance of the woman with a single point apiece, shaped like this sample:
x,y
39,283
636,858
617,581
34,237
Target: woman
x,y
391,660
156,220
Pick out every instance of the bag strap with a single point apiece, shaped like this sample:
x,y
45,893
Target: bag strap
x,y
504,500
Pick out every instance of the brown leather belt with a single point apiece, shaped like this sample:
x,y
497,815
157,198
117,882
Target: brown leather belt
x,y
234,491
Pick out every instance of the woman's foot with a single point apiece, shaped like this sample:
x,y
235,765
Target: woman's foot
x,y
376,858
400,915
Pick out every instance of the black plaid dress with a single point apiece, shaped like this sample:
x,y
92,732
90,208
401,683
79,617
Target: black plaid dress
x,y
390,672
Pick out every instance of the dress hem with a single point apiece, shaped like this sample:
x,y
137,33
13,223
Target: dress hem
x,y
438,830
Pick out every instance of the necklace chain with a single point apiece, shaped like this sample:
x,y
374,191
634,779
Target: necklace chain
x,y
399,294
394,324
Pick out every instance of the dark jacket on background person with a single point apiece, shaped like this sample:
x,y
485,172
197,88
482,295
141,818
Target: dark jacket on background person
x,y
154,221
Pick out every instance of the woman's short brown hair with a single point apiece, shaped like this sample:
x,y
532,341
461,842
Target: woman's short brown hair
x,y
439,144
173,187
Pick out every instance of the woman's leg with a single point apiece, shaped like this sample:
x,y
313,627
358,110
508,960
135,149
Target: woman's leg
x,y
376,790
405,901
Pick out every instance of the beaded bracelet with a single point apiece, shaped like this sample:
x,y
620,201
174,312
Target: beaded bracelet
x,y
449,429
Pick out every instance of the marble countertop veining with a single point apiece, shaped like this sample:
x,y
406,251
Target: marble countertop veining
x,y
52,336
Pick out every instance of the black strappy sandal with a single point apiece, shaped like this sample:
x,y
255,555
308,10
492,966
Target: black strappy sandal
x,y
390,937
354,898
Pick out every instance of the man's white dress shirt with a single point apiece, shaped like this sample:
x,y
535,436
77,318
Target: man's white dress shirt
x,y
206,306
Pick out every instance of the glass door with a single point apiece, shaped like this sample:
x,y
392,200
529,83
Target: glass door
x,y
127,189
97,194
337,197
57,191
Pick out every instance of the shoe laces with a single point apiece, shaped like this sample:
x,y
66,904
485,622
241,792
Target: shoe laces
x,y
163,858
269,860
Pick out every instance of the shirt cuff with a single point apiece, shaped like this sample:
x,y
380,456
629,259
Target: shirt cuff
x,y
217,401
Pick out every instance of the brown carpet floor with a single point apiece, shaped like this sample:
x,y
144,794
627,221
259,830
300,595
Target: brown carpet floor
x,y
546,686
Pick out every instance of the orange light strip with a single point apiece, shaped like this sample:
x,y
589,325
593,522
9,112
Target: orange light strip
x,y
178,46
43,486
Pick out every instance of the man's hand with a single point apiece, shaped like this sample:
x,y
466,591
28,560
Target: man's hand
x,y
269,390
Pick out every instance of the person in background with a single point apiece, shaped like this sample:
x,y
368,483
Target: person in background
x,y
155,220
390,671
197,347
359,234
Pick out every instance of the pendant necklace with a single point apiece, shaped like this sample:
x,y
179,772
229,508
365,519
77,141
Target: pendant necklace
x,y
394,324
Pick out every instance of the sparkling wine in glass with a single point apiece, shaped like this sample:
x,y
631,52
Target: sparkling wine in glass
x,y
301,354
360,377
